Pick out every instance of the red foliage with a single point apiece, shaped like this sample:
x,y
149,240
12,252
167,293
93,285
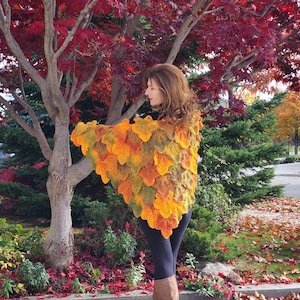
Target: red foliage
x,y
7,175
234,38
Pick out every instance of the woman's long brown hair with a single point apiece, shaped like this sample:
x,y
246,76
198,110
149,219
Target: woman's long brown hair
x,y
180,102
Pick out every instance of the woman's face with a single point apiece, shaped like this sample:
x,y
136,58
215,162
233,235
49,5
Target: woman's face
x,y
154,93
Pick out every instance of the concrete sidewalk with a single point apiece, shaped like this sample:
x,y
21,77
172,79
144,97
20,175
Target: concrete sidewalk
x,y
268,290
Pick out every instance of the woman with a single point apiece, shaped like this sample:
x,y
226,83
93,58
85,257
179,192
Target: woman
x,y
152,162
169,93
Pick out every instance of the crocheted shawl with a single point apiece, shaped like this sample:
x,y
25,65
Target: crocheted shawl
x,y
152,163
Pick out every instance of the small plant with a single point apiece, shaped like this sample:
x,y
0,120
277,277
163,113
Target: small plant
x,y
78,287
34,276
191,261
33,244
8,288
208,286
136,272
120,246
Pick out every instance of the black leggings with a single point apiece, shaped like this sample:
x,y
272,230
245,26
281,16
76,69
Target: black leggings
x,y
164,251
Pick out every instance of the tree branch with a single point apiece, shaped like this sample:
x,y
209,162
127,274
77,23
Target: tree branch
x,y
83,14
187,26
34,131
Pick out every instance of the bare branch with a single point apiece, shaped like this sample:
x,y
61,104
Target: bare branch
x,y
34,131
79,171
132,109
84,84
83,14
187,26
238,63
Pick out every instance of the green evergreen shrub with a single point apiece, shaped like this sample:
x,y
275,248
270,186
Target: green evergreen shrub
x,y
231,154
96,214
196,242
28,202
33,245
78,206
34,276
290,159
215,199
120,246
202,230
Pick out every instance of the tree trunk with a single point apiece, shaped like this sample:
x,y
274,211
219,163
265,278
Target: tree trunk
x,y
59,243
117,101
296,142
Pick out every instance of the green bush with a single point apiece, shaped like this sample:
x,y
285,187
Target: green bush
x,y
290,159
215,199
28,202
120,246
197,242
96,214
33,244
90,240
78,206
34,276
202,230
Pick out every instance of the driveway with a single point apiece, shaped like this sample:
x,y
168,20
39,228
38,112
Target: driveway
x,y
289,176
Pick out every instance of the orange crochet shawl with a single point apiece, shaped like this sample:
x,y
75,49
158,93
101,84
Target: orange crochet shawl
x,y
152,163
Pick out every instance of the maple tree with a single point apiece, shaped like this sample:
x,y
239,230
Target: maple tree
x,y
288,118
99,49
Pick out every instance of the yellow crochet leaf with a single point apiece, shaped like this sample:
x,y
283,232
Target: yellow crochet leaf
x,y
162,162
194,151
165,206
125,188
121,130
194,165
149,174
181,208
79,130
101,168
121,150
93,156
182,136
144,127
173,150
150,214
135,162
197,124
